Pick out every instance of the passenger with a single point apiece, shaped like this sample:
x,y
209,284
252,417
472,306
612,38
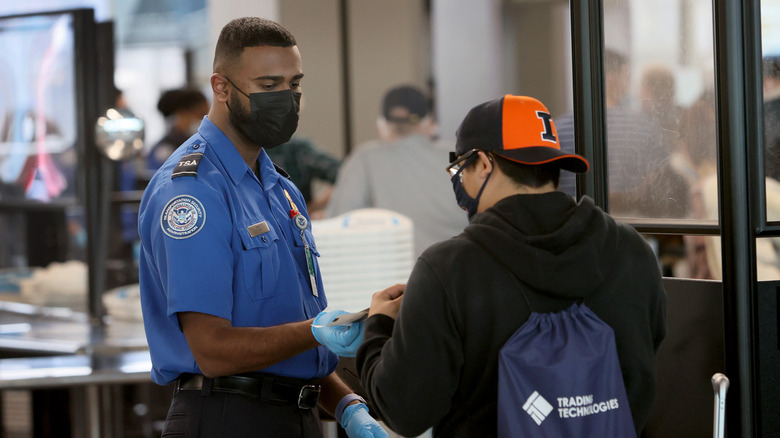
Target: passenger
x,y
400,171
228,267
306,164
430,353
183,109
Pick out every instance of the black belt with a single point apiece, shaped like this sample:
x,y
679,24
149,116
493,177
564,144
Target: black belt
x,y
304,393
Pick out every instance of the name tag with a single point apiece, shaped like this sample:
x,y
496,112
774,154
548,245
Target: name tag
x,y
258,229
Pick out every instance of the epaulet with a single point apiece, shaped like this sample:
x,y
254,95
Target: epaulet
x,y
282,171
188,164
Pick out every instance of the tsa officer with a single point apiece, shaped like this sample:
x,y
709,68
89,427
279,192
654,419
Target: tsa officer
x,y
228,268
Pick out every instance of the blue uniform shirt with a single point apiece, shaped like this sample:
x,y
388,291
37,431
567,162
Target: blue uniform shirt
x,y
215,239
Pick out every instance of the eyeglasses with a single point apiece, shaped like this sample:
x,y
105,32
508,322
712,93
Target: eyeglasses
x,y
458,163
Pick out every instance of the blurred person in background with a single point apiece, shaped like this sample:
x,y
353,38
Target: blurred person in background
x,y
665,192
400,171
698,136
306,164
697,163
636,146
183,109
657,96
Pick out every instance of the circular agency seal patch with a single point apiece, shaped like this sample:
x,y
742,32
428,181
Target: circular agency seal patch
x,y
182,217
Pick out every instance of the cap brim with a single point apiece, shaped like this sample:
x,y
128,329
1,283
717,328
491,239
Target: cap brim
x,y
543,154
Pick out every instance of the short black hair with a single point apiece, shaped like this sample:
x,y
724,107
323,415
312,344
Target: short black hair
x,y
180,98
408,97
531,175
249,32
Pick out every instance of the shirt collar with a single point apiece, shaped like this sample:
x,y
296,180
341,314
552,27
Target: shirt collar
x,y
227,153
268,172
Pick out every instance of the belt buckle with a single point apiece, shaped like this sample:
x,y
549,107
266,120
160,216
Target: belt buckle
x,y
308,396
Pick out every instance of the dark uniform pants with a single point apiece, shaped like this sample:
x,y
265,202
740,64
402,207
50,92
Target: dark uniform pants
x,y
221,414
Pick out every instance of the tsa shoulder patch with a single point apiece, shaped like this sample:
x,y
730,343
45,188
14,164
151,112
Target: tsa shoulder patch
x,y
182,217
188,165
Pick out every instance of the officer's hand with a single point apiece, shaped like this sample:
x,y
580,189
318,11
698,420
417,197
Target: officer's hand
x,y
343,340
358,424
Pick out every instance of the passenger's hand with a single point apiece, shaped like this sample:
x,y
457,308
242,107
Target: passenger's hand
x,y
388,301
359,424
343,340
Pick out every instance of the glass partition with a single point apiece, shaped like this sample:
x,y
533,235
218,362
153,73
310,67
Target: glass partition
x,y
42,220
770,49
661,128
661,132
660,110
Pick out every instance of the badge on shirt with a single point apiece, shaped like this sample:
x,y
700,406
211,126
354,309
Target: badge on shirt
x,y
301,222
258,229
182,217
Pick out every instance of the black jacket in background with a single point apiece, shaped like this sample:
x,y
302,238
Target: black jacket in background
x,y
440,366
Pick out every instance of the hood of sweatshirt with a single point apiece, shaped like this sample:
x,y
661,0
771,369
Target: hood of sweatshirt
x,y
550,242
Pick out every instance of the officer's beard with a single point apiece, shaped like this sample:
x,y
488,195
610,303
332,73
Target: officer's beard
x,y
237,119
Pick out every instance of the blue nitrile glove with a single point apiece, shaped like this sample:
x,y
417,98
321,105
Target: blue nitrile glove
x,y
358,424
343,340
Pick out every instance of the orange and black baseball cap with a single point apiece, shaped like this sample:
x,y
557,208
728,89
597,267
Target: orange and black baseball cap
x,y
518,128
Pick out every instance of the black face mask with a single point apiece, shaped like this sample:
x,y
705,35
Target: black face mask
x,y
465,201
273,117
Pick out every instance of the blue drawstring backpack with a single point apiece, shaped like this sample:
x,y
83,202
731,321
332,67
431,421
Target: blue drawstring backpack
x,y
559,376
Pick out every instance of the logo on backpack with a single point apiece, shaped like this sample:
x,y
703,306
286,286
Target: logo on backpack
x,y
583,405
568,407
537,407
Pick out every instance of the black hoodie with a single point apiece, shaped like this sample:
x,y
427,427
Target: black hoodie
x,y
440,366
